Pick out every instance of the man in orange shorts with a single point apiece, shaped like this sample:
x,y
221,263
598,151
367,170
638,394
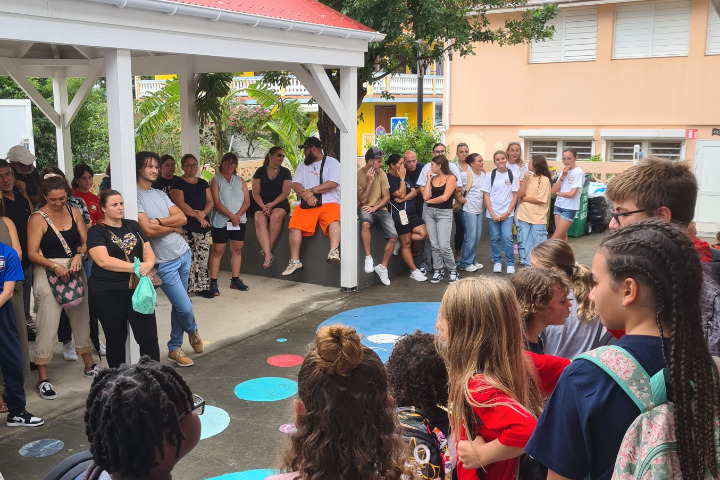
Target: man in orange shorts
x,y
317,184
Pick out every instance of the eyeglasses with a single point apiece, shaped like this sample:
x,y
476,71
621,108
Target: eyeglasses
x,y
198,404
616,215
280,155
191,165
438,152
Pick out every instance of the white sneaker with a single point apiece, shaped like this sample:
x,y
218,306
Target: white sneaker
x,y
102,350
333,257
382,272
497,268
418,276
510,269
453,277
369,265
470,268
396,249
478,266
292,268
69,353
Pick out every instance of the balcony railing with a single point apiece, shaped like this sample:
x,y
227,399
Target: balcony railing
x,y
400,84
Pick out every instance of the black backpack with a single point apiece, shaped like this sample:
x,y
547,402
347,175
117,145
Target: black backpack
x,y
492,176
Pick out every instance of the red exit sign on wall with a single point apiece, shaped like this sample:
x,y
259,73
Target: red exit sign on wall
x,y
691,134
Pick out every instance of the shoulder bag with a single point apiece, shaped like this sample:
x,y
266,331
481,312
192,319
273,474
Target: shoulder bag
x,y
318,196
133,282
71,293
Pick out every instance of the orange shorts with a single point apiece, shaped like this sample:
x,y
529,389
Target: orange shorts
x,y
305,219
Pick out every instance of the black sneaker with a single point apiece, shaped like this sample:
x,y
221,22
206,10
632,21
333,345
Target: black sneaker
x,y
214,289
23,419
206,294
239,285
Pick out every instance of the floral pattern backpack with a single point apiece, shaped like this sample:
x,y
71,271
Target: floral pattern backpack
x,y
649,447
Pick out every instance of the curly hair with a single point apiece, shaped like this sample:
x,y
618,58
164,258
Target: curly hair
x,y
662,258
130,412
555,253
348,428
534,288
417,373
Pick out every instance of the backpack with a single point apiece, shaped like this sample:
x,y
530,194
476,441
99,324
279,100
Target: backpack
x,y
428,455
494,172
649,447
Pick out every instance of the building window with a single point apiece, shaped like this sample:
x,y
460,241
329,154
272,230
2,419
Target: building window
x,y
623,150
713,40
552,149
658,29
575,38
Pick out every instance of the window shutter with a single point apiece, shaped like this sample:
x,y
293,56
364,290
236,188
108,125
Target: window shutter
x,y
660,29
575,38
713,40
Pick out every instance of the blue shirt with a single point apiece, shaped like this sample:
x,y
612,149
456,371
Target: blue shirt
x,y
10,268
585,420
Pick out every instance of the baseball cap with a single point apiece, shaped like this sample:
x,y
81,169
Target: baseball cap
x,y
310,142
20,154
374,152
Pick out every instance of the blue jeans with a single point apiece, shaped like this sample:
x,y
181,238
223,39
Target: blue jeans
x,y
529,235
174,275
501,240
473,231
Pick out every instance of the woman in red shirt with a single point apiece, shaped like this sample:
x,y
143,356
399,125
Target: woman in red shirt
x,y
82,182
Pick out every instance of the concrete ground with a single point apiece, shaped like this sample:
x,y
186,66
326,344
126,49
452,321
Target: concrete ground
x,y
241,330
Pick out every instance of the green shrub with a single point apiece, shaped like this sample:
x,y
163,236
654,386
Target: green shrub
x,y
419,141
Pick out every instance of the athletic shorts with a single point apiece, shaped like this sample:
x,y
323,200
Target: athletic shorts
x,y
305,219
221,235
413,222
565,214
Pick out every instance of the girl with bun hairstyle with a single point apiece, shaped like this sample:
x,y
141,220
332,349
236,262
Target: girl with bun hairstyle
x,y
346,423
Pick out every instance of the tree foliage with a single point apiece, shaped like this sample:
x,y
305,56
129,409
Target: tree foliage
x,y
211,97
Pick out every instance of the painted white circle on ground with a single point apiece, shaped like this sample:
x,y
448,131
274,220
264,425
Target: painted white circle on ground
x,y
383,338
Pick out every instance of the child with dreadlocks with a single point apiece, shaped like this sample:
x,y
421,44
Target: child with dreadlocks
x,y
647,281
418,384
140,421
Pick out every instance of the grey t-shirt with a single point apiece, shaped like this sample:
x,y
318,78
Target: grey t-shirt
x,y
155,204
575,337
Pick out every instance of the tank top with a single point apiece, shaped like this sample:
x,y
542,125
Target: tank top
x,y
231,196
50,245
438,192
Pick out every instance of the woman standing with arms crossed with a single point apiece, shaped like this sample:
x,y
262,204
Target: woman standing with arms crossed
x,y
438,202
472,212
534,193
192,195
114,244
270,189
227,221
568,189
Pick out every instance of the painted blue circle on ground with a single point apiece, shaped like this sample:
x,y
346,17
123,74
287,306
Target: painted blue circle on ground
x,y
384,323
258,474
213,421
41,448
266,389
282,340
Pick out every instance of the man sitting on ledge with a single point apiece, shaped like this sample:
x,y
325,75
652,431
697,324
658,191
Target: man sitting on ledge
x,y
317,184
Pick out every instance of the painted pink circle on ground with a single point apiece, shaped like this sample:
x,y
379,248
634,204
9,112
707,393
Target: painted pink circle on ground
x,y
285,360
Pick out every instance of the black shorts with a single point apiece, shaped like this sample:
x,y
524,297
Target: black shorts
x,y
413,222
221,235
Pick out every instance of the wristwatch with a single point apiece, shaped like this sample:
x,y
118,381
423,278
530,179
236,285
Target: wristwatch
x,y
312,190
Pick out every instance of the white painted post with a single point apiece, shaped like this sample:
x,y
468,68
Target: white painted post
x,y
62,132
122,145
189,127
348,181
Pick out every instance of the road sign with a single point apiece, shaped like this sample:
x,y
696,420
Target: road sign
x,y
398,124
691,134
380,131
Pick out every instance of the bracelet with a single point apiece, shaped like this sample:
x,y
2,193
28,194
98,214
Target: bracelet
x,y
159,222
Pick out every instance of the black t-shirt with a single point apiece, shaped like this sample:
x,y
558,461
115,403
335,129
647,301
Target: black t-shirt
x,y
195,195
18,211
408,206
31,181
271,189
415,174
161,184
130,235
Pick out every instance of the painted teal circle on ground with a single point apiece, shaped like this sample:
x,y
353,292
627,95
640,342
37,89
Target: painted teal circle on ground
x,y
382,322
258,474
266,389
282,340
41,448
213,421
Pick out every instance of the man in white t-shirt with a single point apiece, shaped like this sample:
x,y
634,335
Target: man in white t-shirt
x,y
317,184
568,189
500,196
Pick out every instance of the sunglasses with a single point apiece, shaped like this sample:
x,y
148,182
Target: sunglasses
x,y
617,215
198,404
280,155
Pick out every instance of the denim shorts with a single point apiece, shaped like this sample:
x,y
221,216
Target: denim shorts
x,y
381,216
565,213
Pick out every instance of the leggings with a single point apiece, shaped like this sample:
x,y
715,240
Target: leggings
x,y
114,310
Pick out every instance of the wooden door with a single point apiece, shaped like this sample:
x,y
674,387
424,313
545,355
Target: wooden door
x,y
383,114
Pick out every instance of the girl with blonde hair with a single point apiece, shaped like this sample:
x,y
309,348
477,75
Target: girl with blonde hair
x,y
493,386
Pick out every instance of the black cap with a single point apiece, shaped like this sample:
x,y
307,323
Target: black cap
x,y
310,142
373,153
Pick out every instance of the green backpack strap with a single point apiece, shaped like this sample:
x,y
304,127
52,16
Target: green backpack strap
x,y
627,372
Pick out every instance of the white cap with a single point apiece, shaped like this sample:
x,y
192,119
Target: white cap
x,y
20,154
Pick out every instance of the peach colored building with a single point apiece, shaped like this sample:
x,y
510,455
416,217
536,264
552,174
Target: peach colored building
x,y
615,75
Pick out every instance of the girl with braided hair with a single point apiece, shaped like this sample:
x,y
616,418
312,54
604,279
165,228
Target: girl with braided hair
x,y
140,421
346,423
647,280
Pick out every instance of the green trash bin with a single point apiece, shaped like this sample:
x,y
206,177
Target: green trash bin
x,y
579,226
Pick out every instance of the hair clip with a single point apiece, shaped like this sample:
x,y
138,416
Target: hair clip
x,y
50,175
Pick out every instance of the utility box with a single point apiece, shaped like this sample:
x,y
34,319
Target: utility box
x,y
16,126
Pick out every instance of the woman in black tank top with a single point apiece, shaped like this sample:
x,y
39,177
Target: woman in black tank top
x,y
438,195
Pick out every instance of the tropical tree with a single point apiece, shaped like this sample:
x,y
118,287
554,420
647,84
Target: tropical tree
x,y
157,113
211,97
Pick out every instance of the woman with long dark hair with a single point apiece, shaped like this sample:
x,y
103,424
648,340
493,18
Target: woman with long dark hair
x,y
534,192
438,195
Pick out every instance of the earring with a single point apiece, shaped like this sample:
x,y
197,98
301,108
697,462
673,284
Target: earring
x,y
622,304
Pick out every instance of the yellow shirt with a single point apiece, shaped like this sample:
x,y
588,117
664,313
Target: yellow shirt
x,y
538,186
380,184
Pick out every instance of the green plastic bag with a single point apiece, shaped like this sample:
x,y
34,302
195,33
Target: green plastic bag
x,y
144,297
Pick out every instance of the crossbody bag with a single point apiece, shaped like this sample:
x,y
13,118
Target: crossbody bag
x,y
318,196
71,293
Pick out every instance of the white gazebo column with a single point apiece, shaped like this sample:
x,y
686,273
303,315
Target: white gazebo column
x,y
121,133
62,131
189,126
348,181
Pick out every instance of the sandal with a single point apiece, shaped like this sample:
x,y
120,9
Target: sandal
x,y
267,264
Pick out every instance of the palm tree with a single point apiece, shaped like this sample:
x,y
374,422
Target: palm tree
x,y
213,92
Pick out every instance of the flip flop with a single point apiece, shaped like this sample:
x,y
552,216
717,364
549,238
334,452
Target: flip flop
x,y
272,259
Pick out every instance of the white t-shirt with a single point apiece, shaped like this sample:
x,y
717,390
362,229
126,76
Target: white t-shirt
x,y
575,178
309,176
459,175
501,192
517,171
474,197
